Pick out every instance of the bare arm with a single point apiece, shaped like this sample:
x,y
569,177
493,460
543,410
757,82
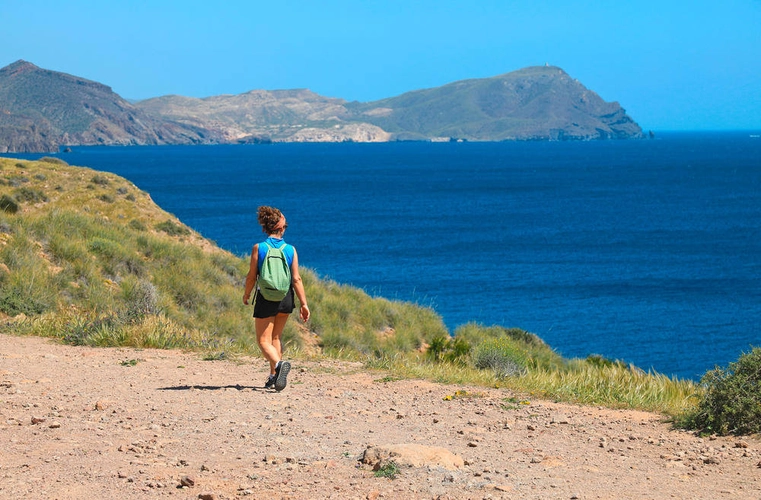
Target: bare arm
x,y
298,287
253,274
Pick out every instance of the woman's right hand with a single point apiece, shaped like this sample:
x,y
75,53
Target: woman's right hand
x,y
304,313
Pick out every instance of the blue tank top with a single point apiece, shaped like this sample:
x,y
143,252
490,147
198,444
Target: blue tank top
x,y
288,250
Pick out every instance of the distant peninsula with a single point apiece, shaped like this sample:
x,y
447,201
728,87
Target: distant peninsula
x,y
43,110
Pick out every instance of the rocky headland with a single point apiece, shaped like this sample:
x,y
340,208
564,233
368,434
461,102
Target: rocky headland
x,y
43,110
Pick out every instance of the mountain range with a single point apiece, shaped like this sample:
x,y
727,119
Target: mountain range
x,y
42,110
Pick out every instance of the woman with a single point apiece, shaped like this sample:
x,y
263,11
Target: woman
x,y
270,317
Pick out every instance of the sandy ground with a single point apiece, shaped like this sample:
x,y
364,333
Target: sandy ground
x,y
79,422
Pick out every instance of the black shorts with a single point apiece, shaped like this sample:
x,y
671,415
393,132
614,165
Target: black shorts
x,y
264,308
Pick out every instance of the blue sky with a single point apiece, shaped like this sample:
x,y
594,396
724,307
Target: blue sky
x,y
673,65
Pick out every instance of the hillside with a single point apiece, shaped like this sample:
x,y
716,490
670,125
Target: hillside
x,y
537,103
41,110
264,116
87,257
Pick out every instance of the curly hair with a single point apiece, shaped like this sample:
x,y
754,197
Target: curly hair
x,y
269,218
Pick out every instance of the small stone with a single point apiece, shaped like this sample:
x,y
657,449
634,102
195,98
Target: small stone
x,y
472,444
55,425
37,420
187,481
100,406
741,444
207,496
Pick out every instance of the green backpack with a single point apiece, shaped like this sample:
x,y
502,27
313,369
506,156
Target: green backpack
x,y
275,277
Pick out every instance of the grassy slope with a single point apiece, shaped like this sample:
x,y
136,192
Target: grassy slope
x,y
87,257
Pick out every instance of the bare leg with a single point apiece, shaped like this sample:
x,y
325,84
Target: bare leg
x,y
264,337
277,332
268,334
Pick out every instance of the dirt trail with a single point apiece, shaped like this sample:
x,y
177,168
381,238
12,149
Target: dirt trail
x,y
78,422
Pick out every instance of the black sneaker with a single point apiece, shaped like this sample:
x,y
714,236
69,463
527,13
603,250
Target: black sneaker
x,y
281,375
270,383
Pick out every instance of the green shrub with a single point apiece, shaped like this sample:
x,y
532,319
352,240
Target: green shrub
x,y
504,356
17,180
99,180
603,362
732,401
106,197
141,298
451,349
25,194
390,470
172,229
137,225
26,290
54,161
8,204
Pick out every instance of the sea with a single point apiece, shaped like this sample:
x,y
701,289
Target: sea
x,y
644,251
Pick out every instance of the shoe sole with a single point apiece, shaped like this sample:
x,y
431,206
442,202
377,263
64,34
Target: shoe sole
x,y
281,380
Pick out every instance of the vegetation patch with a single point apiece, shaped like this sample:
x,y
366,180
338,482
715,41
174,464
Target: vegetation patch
x,y
388,470
732,400
25,194
172,229
54,161
8,204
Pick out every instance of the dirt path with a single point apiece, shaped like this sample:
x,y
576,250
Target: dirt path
x,y
78,422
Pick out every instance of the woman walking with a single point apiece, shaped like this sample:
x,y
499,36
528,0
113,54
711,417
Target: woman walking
x,y
270,316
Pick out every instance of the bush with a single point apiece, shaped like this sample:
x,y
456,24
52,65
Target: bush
x,y
503,355
54,161
732,402
100,180
172,229
30,195
136,225
141,298
8,204
449,349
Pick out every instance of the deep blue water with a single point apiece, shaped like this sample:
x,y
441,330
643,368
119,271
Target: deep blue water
x,y
645,251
